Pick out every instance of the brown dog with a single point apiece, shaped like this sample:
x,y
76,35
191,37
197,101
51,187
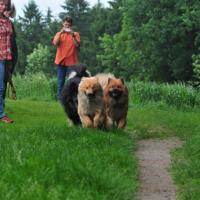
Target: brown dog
x,y
90,103
103,78
116,103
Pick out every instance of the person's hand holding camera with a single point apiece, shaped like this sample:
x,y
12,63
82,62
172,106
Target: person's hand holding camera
x,y
67,30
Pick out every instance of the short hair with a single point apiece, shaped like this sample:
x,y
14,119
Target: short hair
x,y
68,19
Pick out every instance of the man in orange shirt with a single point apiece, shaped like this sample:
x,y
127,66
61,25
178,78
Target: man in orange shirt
x,y
67,42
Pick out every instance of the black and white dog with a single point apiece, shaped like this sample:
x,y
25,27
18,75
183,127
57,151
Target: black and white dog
x,y
70,91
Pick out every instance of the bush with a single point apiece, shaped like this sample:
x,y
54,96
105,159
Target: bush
x,y
142,92
34,86
178,95
39,60
39,87
53,88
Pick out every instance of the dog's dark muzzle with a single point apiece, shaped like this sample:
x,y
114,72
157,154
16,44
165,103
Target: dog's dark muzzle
x,y
115,93
91,96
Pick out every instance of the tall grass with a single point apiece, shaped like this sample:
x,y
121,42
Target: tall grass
x,y
35,87
179,95
39,87
186,169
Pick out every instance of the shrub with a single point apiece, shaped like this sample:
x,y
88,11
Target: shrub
x,y
33,86
39,60
179,94
39,87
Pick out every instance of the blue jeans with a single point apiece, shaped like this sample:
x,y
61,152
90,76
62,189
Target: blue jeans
x,y
62,72
2,73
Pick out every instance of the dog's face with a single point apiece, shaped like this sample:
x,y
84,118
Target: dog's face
x,y
115,87
90,87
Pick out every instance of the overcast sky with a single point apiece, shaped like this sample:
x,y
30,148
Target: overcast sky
x,y
44,4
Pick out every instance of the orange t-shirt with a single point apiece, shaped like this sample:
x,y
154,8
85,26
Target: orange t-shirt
x,y
66,50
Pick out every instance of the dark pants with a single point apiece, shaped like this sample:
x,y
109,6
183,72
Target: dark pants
x,y
2,87
62,72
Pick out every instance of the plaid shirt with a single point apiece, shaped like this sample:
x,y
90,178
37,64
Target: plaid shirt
x,y
5,39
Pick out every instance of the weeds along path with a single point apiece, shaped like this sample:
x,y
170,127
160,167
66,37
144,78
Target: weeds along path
x,y
154,162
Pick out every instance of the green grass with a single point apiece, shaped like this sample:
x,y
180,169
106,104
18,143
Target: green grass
x,y
186,169
179,95
42,158
153,121
160,121
35,87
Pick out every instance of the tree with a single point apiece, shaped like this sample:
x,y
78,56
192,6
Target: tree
x,y
196,68
77,10
160,36
38,60
51,27
48,17
30,29
114,17
165,32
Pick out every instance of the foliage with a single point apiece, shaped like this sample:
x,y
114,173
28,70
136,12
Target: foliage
x,y
163,37
196,69
107,59
179,95
145,40
76,9
38,60
90,42
117,55
34,86
30,31
114,17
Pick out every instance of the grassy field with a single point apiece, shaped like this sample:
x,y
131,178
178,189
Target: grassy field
x,y
41,158
154,121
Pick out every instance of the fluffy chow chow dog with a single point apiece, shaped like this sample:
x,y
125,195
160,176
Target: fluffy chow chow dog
x,y
70,92
116,102
103,79
90,103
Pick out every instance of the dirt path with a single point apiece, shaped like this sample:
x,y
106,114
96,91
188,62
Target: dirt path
x,y
154,162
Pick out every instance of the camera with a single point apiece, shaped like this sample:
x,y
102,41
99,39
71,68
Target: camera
x,y
67,29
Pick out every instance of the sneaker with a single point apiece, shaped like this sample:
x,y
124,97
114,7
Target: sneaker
x,y
6,120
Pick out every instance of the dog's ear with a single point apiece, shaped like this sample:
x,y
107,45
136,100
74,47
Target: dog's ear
x,y
95,78
79,68
109,79
82,70
122,80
